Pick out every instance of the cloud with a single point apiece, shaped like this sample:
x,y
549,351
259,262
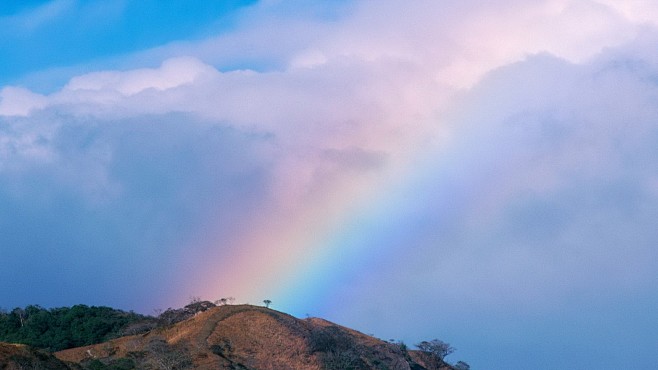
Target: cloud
x,y
176,165
547,210
16,101
121,202
172,73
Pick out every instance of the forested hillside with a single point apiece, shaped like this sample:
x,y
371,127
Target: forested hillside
x,y
67,327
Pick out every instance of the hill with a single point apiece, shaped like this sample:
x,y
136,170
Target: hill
x,y
66,327
248,337
19,357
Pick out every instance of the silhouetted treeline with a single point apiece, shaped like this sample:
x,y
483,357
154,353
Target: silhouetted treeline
x,y
67,327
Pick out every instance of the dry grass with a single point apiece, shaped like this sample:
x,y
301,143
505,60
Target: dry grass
x,y
250,337
20,357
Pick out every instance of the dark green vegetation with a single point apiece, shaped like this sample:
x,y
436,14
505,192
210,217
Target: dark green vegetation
x,y
68,327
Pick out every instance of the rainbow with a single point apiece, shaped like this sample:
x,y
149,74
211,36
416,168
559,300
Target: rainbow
x,y
300,257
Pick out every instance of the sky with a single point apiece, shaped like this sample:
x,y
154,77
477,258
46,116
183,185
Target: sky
x,y
481,172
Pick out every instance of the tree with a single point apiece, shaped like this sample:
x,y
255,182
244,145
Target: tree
x,y
436,348
20,314
60,328
224,301
461,365
267,303
165,356
341,360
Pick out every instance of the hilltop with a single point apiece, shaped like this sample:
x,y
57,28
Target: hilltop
x,y
250,337
239,337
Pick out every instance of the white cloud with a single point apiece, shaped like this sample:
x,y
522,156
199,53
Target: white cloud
x,y
638,11
173,73
17,101
545,205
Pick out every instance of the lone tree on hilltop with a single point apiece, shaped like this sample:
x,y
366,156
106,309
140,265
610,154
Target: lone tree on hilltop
x,y
267,303
436,348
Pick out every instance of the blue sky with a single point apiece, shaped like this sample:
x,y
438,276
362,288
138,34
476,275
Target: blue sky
x,y
42,35
485,173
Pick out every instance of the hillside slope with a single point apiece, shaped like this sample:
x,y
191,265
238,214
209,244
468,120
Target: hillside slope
x,y
250,337
19,357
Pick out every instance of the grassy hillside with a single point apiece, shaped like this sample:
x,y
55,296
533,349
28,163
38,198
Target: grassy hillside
x,y
249,337
199,336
